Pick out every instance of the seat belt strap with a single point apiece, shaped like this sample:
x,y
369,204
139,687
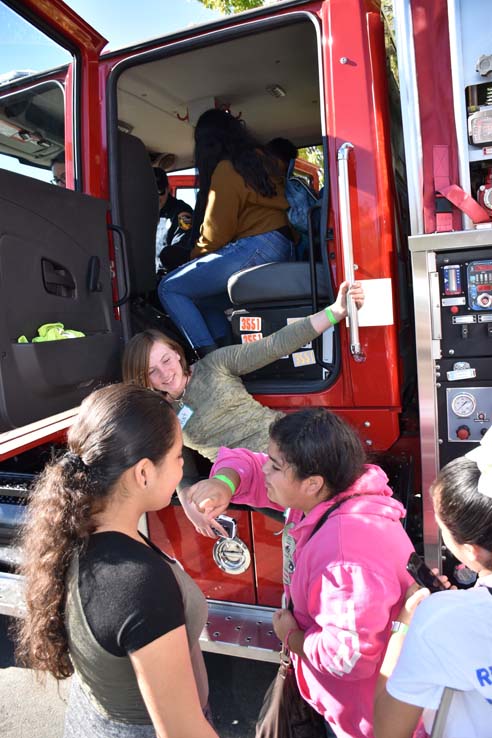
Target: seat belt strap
x,y
453,193
465,202
440,169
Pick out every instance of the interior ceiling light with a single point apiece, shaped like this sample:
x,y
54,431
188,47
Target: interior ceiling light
x,y
276,91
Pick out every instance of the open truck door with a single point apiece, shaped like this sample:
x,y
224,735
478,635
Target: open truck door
x,y
54,256
294,69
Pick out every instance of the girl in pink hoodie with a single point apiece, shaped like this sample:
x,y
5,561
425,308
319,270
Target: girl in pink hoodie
x,y
346,581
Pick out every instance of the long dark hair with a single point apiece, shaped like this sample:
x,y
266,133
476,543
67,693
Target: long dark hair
x,y
465,512
317,442
219,135
116,427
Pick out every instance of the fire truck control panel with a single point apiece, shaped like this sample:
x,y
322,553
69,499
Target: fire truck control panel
x,y
464,371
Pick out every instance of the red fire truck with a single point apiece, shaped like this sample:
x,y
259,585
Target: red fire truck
x,y
405,207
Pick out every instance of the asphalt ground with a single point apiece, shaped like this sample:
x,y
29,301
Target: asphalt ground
x,y
31,709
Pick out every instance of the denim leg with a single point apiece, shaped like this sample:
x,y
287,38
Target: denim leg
x,y
212,310
183,289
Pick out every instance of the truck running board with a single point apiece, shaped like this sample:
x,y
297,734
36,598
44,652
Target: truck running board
x,y
245,631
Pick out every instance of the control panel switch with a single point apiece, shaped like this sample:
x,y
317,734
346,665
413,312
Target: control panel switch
x,y
463,432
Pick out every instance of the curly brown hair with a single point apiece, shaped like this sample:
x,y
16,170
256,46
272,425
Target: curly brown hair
x,y
116,427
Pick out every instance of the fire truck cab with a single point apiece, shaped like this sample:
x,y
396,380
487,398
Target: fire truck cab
x,y
83,255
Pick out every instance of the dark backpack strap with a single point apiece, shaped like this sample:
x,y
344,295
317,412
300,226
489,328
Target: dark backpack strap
x,y
323,520
331,509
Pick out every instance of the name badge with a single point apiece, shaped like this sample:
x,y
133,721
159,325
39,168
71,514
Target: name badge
x,y
184,415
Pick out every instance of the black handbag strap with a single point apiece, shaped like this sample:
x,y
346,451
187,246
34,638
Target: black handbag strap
x,y
331,509
323,520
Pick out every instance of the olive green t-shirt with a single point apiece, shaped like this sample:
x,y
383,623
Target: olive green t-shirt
x,y
217,410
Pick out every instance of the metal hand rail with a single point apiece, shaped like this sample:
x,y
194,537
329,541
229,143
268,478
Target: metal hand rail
x,y
347,246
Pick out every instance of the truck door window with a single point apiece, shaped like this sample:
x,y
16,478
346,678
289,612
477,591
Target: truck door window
x,y
188,194
32,108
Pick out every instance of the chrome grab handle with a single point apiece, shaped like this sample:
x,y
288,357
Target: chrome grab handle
x,y
347,247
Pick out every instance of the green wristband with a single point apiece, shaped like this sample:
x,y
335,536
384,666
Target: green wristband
x,y
399,627
225,479
330,316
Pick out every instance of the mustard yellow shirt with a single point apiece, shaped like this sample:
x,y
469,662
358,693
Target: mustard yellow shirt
x,y
235,210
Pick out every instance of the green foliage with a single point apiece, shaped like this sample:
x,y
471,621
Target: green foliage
x,y
389,38
231,6
314,154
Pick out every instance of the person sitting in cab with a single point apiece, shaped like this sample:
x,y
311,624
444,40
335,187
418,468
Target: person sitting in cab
x,y
58,170
173,244
240,221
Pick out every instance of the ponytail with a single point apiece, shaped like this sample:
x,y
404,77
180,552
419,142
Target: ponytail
x,y
58,524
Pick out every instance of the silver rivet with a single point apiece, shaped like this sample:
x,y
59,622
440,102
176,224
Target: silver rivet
x,y
367,424
438,385
343,60
441,441
368,442
451,352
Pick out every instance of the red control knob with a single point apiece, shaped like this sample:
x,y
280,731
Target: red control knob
x,y
463,432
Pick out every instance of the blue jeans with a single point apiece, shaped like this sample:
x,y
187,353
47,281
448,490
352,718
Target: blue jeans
x,y
195,295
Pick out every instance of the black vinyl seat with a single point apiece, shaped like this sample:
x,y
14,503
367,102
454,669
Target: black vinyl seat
x,y
138,212
276,284
271,295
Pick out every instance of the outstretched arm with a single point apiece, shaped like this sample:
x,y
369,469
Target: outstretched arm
x,y
244,471
248,357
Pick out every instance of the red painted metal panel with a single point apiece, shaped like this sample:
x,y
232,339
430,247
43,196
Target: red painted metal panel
x,y
171,530
268,558
357,112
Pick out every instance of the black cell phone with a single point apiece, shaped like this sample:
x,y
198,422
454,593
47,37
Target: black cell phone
x,y
422,574
229,525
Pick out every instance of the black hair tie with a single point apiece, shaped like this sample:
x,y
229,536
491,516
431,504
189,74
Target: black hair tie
x,y
74,463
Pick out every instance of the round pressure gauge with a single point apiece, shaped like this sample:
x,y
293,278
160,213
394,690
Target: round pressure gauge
x,y
463,405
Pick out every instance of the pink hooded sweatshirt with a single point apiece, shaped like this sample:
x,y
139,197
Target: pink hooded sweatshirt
x,y
347,584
